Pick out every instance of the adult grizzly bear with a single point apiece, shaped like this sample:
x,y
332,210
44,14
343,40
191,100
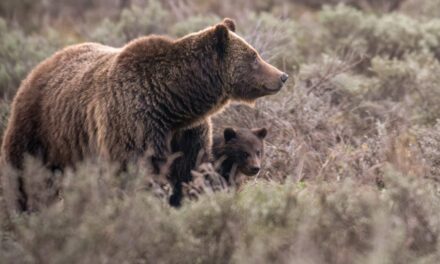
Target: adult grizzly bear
x,y
93,100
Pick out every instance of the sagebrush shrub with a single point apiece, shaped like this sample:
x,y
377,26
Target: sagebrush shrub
x,y
429,143
368,5
278,40
389,35
97,221
412,81
425,9
133,22
350,172
19,53
193,24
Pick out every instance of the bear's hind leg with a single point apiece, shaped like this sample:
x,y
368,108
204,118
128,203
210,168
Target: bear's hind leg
x,y
19,139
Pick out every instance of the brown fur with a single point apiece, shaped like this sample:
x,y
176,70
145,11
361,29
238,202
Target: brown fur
x,y
242,151
205,180
93,100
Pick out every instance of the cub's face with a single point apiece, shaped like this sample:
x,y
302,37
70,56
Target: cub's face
x,y
245,147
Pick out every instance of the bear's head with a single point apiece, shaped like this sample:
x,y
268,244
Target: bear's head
x,y
245,148
248,76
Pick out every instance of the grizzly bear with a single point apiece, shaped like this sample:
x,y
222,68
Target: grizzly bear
x,y
90,100
237,154
240,152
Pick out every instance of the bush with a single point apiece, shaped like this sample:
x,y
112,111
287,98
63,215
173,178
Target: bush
x,y
413,81
193,24
350,172
428,140
369,5
392,35
133,22
97,222
4,115
425,9
278,40
20,53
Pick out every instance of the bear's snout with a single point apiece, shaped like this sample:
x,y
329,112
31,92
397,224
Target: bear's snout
x,y
282,80
284,77
273,78
278,83
251,166
254,170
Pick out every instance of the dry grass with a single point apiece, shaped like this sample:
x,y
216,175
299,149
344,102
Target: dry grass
x,y
351,169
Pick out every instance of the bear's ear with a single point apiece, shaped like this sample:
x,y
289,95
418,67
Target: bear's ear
x,y
229,23
261,133
221,38
229,133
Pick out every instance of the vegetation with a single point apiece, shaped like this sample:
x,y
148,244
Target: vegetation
x,y
352,161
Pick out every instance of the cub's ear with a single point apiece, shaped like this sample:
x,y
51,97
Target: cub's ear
x,y
261,133
229,133
221,39
229,23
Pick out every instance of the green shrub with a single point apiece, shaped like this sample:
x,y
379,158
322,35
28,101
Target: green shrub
x,y
278,40
20,53
133,22
331,189
392,35
396,78
412,81
4,115
425,9
375,5
193,24
97,221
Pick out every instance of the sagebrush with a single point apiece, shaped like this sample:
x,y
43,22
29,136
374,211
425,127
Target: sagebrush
x,y
351,167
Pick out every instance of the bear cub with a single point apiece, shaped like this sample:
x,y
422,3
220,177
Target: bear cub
x,y
240,152
237,154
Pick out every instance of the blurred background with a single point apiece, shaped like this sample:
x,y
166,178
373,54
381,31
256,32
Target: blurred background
x,y
34,29
351,168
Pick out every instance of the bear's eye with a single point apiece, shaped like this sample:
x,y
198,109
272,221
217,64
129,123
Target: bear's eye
x,y
244,155
258,153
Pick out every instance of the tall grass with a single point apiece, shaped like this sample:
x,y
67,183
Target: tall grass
x,y
351,167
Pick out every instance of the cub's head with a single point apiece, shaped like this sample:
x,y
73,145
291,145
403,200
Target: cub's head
x,y
244,147
246,76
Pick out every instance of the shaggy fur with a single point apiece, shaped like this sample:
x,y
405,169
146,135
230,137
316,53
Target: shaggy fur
x,y
240,148
93,100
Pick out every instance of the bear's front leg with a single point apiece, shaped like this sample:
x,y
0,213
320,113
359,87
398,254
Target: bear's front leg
x,y
190,142
160,154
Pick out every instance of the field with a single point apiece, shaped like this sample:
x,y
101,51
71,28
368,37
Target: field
x,y
352,163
